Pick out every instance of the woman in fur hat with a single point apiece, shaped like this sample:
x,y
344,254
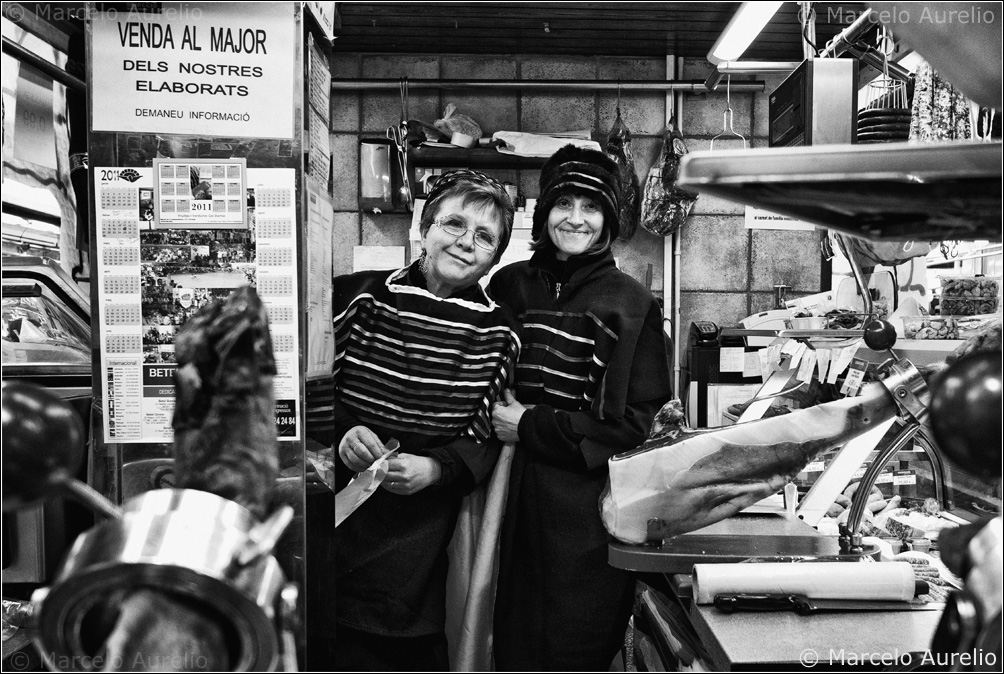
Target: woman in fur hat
x,y
593,371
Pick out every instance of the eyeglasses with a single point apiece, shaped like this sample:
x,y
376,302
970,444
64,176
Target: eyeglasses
x,y
456,227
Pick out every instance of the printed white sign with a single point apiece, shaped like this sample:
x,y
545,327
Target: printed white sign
x,y
195,68
757,218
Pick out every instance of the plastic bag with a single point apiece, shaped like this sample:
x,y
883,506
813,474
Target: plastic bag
x,y
665,206
455,122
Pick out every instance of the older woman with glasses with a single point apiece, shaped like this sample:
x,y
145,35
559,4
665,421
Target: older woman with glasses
x,y
421,354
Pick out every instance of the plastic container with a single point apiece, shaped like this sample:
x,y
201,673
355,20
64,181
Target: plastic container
x,y
930,327
969,295
810,323
958,306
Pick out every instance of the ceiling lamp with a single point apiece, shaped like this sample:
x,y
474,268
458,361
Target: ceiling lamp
x,y
747,23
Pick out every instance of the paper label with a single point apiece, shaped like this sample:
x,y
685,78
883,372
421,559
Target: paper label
x,y
807,367
731,359
822,362
815,467
904,477
751,364
852,382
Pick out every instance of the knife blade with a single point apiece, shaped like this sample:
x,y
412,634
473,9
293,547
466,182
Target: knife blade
x,y
803,605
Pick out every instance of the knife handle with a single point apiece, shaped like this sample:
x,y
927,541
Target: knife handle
x,y
730,603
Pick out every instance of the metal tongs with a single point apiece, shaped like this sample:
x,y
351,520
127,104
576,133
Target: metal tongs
x,y
399,135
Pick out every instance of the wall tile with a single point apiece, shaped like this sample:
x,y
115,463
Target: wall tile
x,y
492,110
388,229
724,309
791,258
760,302
344,235
644,112
543,113
382,109
714,253
345,65
345,110
636,254
704,116
345,172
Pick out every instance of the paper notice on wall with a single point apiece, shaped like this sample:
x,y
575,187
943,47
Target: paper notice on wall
x,y
757,218
152,280
320,331
195,68
377,257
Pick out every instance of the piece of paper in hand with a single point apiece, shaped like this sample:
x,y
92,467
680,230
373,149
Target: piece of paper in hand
x,y
363,485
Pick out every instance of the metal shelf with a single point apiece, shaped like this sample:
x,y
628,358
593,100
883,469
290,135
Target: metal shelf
x,y
898,191
478,157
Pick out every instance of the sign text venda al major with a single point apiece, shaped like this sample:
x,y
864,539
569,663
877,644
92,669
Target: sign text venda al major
x,y
156,36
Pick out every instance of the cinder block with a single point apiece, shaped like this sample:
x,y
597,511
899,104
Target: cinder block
x,y
715,253
382,108
493,111
386,229
760,302
345,171
345,111
344,235
345,66
696,68
557,112
644,112
723,309
544,113
707,116
636,254
789,257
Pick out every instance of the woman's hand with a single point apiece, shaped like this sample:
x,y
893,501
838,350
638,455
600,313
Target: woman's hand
x,y
505,417
359,448
408,473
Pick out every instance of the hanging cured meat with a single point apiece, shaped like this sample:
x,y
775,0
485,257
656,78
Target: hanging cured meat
x,y
619,149
666,206
682,482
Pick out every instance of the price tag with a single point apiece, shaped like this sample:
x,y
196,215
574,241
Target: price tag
x,y
822,362
852,382
798,355
807,367
766,364
904,477
841,360
885,477
731,359
814,467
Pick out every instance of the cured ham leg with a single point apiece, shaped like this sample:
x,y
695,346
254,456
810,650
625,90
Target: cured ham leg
x,y
668,487
225,443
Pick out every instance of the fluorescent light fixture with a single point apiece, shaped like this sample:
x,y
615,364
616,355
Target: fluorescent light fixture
x,y
747,23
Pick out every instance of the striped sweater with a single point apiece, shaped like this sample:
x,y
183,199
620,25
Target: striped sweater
x,y
411,362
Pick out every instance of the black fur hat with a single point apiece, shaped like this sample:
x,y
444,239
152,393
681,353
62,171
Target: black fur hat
x,y
575,168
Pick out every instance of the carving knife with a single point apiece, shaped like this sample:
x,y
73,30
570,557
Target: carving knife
x,y
803,605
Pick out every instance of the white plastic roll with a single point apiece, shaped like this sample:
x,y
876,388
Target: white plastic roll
x,y
885,581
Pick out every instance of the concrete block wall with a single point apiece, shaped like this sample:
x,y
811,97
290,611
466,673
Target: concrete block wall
x,y
727,272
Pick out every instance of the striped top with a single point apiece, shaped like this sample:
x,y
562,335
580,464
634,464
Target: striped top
x,y
565,358
411,362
